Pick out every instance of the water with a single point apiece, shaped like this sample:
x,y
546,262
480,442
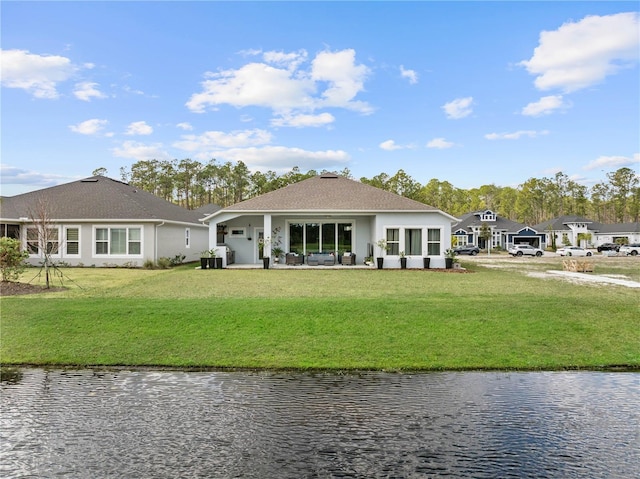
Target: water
x,y
168,424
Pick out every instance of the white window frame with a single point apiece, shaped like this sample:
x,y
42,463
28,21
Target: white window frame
x,y
439,242
187,237
126,255
237,232
65,240
40,253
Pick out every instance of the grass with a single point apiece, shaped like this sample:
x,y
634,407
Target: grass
x,y
494,318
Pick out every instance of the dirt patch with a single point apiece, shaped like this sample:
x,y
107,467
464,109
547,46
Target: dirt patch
x,y
12,288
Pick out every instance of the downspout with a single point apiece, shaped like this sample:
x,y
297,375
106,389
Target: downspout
x,y
155,252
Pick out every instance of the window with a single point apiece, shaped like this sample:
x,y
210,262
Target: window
x,y
37,237
305,238
72,243
119,241
187,237
237,232
393,241
433,242
413,242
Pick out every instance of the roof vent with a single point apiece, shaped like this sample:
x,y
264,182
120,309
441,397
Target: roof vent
x,y
89,180
328,175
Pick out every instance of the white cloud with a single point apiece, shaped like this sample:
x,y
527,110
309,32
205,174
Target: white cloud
x,y
11,175
303,120
185,126
140,151
411,75
37,74
89,127
458,108
281,158
87,90
580,54
219,140
289,90
389,145
613,162
516,135
440,143
545,106
139,128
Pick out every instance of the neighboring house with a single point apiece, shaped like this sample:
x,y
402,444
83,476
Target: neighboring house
x,y
98,221
579,231
332,214
504,232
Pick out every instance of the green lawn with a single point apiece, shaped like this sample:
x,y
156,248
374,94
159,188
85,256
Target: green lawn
x,y
491,318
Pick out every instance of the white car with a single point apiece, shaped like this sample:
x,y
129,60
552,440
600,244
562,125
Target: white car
x,y
522,249
573,251
630,249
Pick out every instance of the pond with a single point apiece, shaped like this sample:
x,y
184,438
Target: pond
x,y
170,424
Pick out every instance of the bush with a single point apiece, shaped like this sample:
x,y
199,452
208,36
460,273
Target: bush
x,y
164,263
11,259
149,264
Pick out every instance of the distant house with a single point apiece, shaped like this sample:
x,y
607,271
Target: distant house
x,y
504,232
103,222
334,215
580,231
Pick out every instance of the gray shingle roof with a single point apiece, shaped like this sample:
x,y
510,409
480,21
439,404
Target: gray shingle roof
x,y
96,198
560,223
329,192
473,219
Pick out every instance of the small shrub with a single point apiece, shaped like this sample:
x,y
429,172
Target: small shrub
x,y
148,264
164,263
11,259
177,259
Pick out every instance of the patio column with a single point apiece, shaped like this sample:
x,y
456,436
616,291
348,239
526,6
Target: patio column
x,y
213,235
267,235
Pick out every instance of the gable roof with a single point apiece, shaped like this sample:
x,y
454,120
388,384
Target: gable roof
x,y
329,192
96,198
560,223
473,219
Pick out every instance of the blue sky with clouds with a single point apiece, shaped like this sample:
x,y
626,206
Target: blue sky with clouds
x,y
467,92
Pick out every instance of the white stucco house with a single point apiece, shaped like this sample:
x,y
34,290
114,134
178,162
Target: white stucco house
x,y
580,231
332,215
99,221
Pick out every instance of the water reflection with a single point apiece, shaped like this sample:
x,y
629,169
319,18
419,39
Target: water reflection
x,y
266,424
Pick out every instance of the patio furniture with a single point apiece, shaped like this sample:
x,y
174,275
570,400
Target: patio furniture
x,y
294,258
321,259
349,259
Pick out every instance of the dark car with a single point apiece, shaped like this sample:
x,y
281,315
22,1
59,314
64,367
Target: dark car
x,y
468,249
608,247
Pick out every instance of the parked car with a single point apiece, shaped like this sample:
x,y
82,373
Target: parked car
x,y
630,249
573,251
467,249
524,249
608,247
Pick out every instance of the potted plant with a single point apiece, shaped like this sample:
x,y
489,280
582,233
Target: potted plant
x,y
403,260
382,244
277,253
449,258
204,255
211,260
426,262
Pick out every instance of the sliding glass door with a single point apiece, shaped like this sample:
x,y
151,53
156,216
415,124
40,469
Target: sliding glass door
x,y
314,237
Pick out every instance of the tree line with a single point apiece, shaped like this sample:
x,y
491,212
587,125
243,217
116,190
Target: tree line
x,y
192,184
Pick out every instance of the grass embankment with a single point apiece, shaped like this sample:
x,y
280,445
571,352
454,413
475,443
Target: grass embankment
x,y
361,319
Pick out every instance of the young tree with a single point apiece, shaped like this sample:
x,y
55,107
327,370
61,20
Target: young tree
x,y
43,237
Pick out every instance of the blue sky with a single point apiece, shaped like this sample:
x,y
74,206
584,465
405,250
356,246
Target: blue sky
x,y
472,93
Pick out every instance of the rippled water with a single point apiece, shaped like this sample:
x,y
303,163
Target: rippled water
x,y
149,424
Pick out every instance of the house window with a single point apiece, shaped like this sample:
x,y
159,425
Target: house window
x,y
72,241
187,237
237,232
119,241
305,238
393,241
413,242
37,238
433,242
461,240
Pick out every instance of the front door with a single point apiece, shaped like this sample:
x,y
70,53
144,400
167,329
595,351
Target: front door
x,y
259,236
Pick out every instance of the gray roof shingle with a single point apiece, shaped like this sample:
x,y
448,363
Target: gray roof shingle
x,y
330,192
96,198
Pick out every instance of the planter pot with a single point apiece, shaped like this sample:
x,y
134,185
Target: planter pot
x,y
265,263
203,263
380,262
426,262
218,263
403,263
211,263
448,263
